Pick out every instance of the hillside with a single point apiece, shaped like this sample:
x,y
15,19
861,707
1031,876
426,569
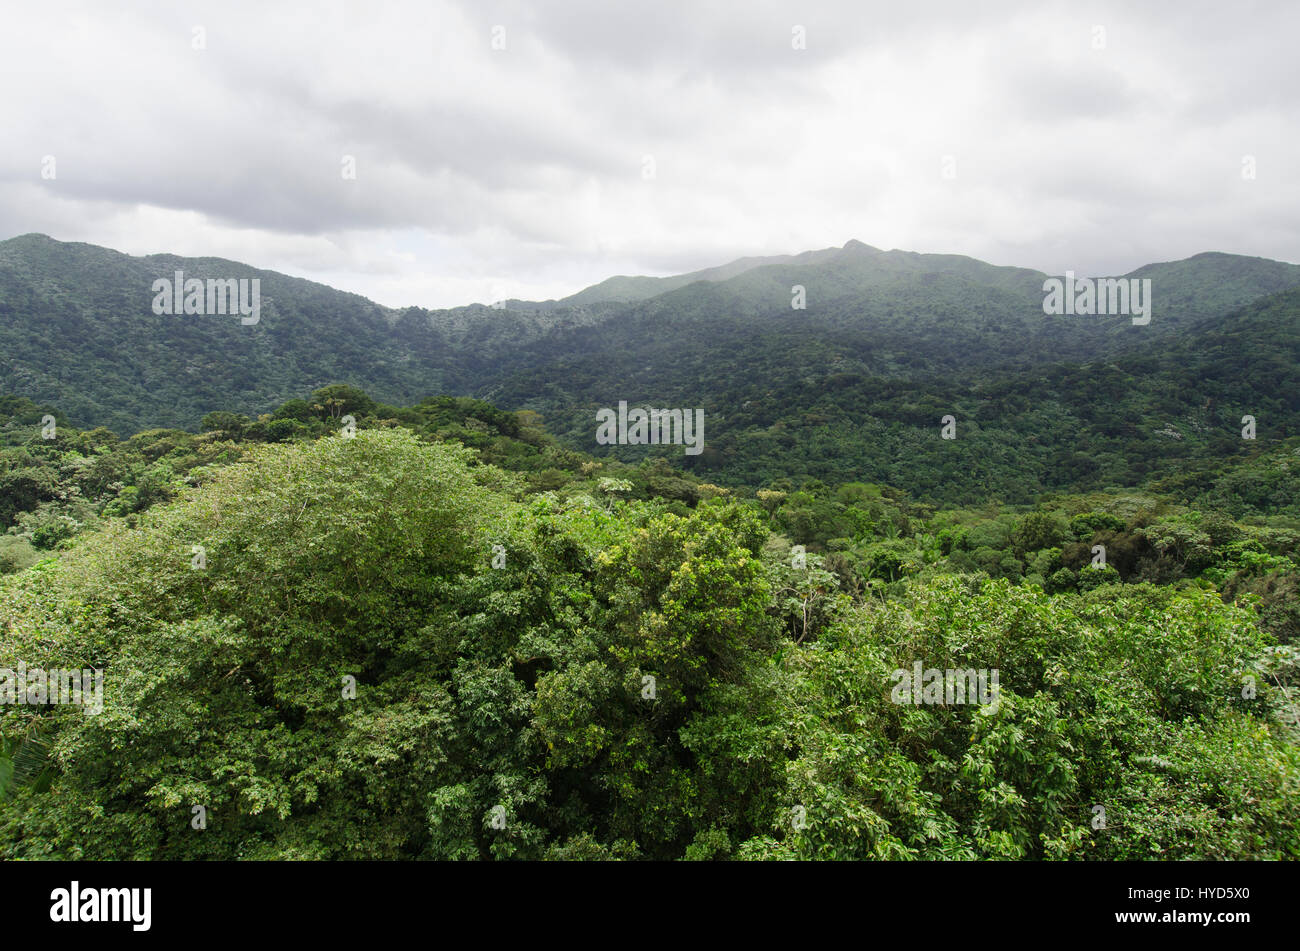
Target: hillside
x,y
851,385
621,668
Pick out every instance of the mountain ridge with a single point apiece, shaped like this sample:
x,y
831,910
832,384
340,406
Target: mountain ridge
x,y
77,331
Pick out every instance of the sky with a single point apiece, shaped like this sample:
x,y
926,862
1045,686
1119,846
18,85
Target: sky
x,y
529,149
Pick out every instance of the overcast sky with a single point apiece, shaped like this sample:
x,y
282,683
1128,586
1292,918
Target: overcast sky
x,y
648,138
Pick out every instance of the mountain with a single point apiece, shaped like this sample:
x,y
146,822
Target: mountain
x,y
869,314
78,330
847,387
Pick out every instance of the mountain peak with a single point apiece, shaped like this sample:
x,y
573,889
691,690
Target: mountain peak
x,y
32,237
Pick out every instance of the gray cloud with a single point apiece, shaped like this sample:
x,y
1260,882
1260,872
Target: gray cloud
x,y
519,172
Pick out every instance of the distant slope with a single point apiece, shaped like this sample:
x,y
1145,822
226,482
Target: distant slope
x,y
868,313
1173,406
77,331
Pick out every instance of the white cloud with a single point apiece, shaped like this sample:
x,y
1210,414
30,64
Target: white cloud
x,y
520,171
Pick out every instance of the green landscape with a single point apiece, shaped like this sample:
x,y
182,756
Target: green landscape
x,y
363,584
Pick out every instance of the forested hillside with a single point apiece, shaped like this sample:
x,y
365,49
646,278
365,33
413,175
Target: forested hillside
x,y
884,339
435,632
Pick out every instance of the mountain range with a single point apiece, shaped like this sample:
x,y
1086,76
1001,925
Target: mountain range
x,y
851,386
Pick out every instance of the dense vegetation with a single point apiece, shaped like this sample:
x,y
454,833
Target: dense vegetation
x,y
558,656
340,620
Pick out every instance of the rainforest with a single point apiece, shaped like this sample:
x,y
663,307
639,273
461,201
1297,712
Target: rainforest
x,y
499,602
